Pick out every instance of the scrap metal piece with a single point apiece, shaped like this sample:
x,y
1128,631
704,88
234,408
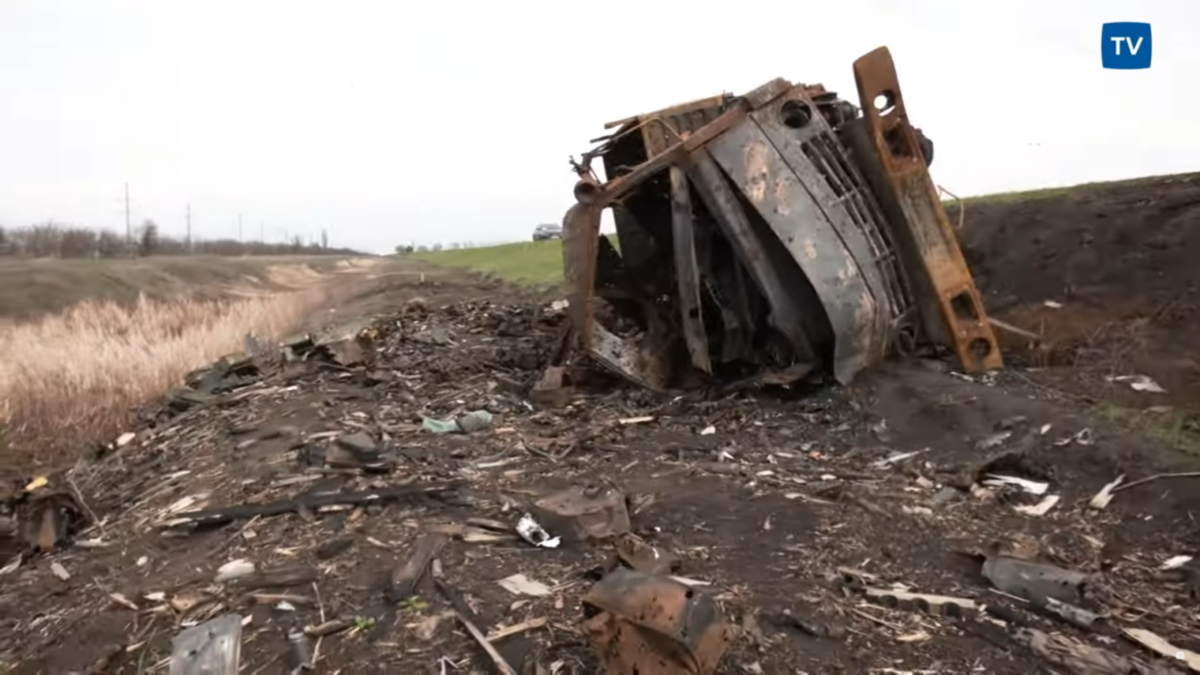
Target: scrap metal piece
x,y
212,648
1034,581
579,514
642,623
687,271
903,185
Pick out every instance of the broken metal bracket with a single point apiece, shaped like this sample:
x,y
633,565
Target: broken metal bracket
x,y
907,192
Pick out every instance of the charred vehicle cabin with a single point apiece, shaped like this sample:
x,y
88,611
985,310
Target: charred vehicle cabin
x,y
770,236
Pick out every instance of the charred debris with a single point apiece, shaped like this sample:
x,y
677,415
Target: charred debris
x,y
777,236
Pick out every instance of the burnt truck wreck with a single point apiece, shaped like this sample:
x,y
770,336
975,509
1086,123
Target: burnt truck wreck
x,y
774,236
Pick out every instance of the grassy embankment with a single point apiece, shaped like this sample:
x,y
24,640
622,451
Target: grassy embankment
x,y
85,341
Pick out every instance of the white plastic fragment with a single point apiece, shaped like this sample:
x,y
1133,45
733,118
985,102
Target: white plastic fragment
x,y
1176,562
1138,383
519,584
59,571
1030,486
1105,495
900,457
233,570
535,534
1041,508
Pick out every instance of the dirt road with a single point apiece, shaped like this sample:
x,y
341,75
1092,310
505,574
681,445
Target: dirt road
x,y
783,507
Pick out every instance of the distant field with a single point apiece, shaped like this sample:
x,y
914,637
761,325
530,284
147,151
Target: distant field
x,y
534,263
32,288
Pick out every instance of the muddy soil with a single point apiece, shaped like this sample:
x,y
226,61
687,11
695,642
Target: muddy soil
x,y
1117,263
766,498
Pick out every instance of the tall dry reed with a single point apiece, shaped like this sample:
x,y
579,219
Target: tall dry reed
x,y
77,376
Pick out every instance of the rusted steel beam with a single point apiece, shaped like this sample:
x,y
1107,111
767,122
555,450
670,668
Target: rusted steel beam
x,y
687,273
679,109
616,187
580,241
914,201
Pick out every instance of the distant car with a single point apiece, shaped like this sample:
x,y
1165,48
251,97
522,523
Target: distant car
x,y
547,231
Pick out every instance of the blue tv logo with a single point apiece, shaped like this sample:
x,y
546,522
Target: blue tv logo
x,y
1126,45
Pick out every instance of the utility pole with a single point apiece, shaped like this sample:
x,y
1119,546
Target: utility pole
x,y
189,227
128,224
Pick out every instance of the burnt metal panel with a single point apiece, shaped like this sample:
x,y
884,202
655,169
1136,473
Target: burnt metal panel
x,y
638,359
753,249
915,203
809,148
777,193
842,192
687,273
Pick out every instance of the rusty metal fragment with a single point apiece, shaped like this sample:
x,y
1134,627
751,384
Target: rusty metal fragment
x,y
781,231
642,623
583,514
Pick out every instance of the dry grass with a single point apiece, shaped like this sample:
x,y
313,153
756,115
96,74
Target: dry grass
x,y
74,377
30,289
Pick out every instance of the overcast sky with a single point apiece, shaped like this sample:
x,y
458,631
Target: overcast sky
x,y
388,122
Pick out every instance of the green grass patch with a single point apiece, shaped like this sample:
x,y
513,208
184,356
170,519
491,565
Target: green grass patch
x,y
1176,429
533,263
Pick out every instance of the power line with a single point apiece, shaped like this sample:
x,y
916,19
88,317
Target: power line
x,y
128,224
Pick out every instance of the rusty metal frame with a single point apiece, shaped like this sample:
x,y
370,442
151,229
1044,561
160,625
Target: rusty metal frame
x,y
914,201
868,257
639,362
644,623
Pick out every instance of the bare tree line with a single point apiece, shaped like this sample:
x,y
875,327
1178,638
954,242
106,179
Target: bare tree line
x,y
56,240
438,246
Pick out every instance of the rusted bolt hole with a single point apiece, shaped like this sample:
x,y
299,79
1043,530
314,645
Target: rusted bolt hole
x,y
795,114
980,348
885,101
586,191
963,307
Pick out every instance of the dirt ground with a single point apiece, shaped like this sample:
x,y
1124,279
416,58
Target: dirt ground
x,y
1120,259
780,507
